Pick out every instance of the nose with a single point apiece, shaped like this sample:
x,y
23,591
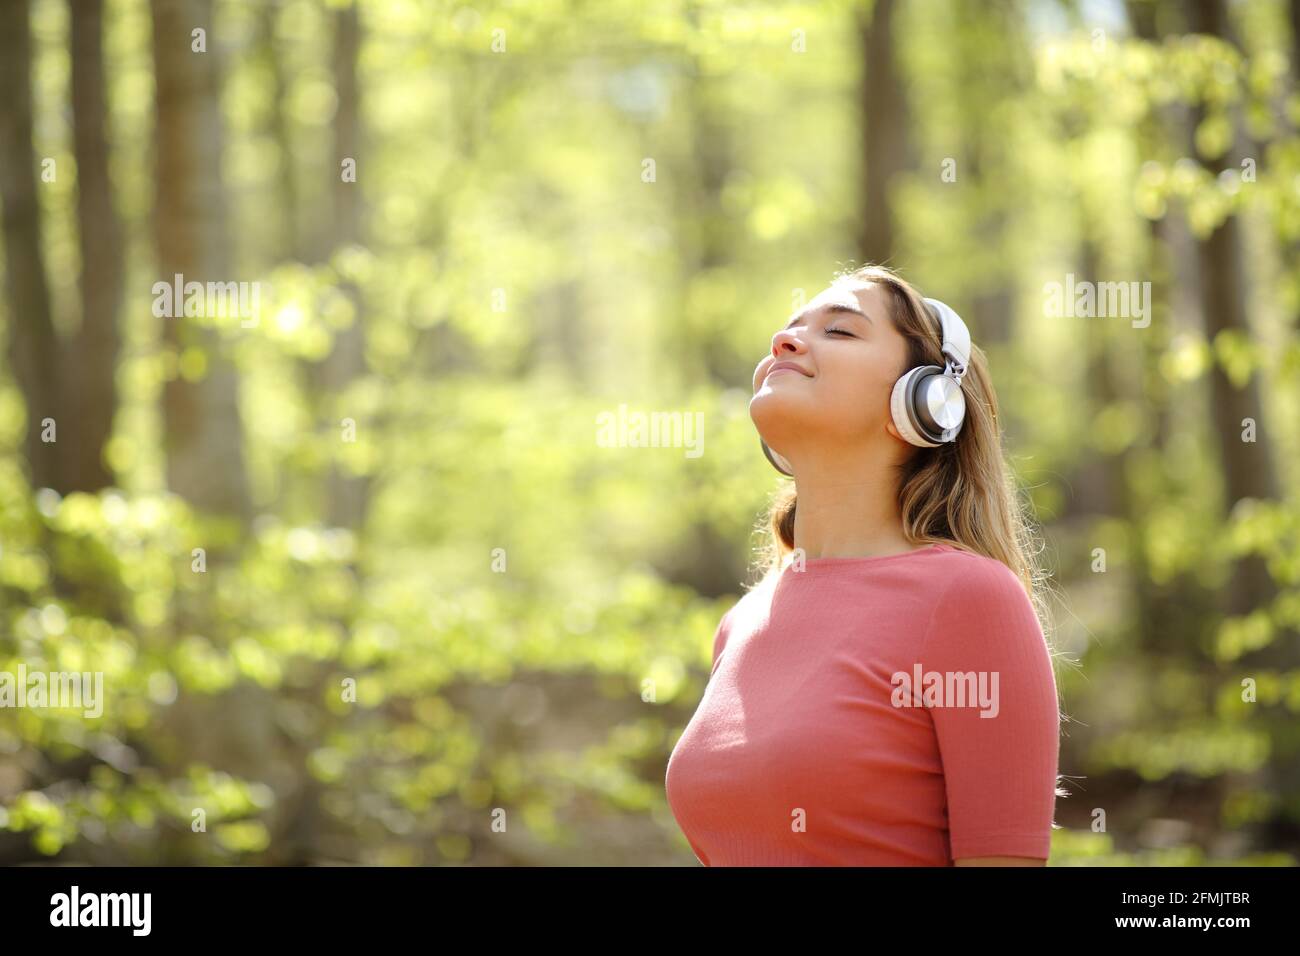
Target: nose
x,y
786,342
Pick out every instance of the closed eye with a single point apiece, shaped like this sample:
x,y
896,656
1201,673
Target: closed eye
x,y
841,332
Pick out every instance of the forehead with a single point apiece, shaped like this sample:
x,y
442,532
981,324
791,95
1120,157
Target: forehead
x,y
851,293
843,291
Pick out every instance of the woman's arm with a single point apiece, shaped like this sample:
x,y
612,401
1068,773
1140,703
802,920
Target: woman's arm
x,y
999,750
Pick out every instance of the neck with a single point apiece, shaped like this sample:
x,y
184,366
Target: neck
x,y
839,516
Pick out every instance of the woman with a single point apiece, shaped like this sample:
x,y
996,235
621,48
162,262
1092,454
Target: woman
x,y
885,695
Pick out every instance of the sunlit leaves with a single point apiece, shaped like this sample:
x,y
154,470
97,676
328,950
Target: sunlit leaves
x,y
1205,751
1241,635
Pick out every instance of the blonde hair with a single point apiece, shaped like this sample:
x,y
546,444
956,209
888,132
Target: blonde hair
x,y
961,493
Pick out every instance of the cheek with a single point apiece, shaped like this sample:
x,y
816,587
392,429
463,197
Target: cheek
x,y
859,391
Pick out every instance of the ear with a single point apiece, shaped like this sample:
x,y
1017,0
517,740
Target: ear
x,y
893,429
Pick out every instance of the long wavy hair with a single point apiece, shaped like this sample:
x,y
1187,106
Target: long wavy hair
x,y
962,493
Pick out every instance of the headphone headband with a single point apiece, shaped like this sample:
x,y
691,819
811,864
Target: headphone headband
x,y
956,338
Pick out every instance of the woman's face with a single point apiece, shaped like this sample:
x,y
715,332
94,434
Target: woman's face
x,y
836,363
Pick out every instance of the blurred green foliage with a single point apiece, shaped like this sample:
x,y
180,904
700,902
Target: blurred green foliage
x,y
515,278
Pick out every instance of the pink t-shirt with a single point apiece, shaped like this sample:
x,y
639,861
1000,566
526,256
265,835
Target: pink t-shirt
x,y
801,752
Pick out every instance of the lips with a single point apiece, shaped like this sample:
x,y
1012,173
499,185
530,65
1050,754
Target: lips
x,y
789,366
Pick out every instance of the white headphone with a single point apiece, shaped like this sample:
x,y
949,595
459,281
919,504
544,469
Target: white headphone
x,y
927,404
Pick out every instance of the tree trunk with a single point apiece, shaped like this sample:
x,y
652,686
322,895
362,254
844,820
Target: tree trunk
x,y
92,360
884,131
33,344
289,245
1247,467
989,72
1294,17
346,494
202,424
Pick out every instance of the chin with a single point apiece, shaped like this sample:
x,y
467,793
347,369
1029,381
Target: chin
x,y
765,405
774,415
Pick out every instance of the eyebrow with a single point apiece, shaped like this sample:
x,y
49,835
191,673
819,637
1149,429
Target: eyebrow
x,y
832,307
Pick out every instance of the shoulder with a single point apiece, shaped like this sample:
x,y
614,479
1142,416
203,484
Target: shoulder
x,y
979,602
974,580
756,596
740,607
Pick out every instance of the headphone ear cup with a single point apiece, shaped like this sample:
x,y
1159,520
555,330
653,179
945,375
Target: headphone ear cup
x,y
940,406
902,406
921,395
778,462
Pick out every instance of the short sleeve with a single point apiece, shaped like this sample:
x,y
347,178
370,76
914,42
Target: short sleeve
x,y
1000,749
